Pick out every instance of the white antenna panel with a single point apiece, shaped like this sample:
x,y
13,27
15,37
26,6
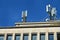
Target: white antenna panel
x,y
22,13
47,7
26,13
53,11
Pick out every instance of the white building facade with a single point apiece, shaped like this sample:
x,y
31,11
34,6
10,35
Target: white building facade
x,y
31,31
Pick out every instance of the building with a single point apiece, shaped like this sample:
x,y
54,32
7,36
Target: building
x,y
31,31
49,30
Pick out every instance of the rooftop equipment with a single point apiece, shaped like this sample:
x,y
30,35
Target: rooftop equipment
x,y
24,16
51,11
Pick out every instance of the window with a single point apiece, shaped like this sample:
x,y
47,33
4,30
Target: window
x,y
50,36
25,36
34,37
58,36
17,37
9,37
1,37
42,36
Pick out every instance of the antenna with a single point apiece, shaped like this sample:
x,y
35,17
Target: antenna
x,y
48,10
47,7
26,13
51,11
24,16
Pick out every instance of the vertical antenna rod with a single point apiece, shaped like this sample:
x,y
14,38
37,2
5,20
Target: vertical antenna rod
x,y
24,16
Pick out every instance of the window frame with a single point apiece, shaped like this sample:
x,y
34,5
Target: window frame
x,y
9,35
35,34
49,34
25,34
2,35
17,34
42,33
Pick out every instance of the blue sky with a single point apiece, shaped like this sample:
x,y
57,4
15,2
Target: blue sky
x,y
10,10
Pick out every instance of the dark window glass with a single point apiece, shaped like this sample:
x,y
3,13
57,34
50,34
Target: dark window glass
x,y
17,37
34,37
58,36
1,37
9,37
50,36
42,36
25,36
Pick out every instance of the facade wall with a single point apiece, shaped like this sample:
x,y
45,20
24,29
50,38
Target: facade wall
x,y
30,30
22,31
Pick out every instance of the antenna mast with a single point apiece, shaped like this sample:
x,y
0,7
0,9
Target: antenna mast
x,y
24,16
51,11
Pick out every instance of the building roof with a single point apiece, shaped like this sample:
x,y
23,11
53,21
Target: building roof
x,y
34,24
40,24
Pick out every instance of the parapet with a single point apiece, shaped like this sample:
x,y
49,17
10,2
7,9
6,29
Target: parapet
x,y
38,24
